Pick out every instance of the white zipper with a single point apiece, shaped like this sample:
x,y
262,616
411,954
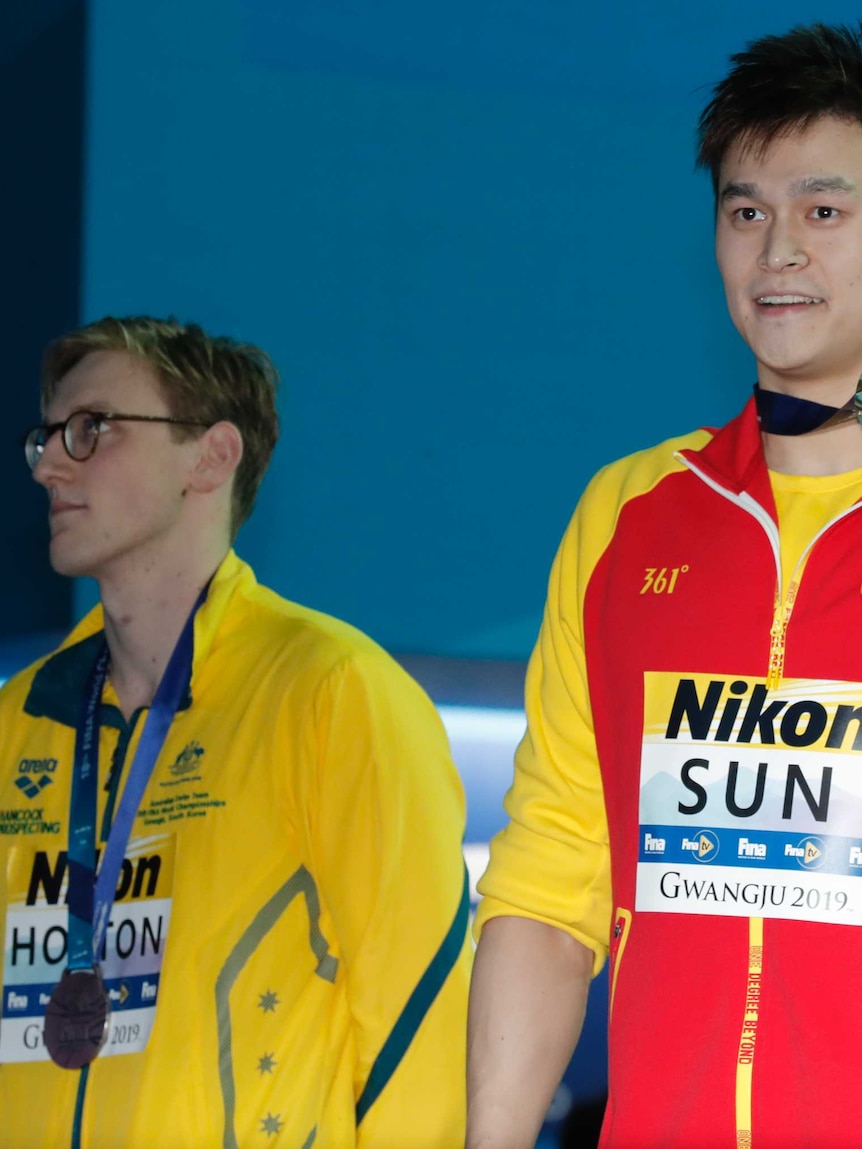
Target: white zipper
x,y
781,610
747,503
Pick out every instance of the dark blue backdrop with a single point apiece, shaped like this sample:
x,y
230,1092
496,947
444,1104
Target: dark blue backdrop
x,y
41,124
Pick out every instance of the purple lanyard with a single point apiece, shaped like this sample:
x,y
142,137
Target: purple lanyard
x,y
91,898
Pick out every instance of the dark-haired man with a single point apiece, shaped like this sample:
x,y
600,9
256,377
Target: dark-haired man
x,y
688,797
232,883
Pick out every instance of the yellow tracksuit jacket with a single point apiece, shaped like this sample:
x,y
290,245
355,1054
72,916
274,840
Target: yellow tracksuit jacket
x,y
291,919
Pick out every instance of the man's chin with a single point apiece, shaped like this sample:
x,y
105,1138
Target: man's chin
x,y
69,565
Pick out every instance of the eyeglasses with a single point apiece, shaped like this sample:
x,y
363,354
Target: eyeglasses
x,y
81,433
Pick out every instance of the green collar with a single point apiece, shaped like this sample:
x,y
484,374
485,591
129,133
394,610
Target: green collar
x,y
58,684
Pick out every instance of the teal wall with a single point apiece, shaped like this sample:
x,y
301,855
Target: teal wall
x,y
472,238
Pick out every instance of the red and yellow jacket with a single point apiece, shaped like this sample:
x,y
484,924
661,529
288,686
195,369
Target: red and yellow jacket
x,y
688,798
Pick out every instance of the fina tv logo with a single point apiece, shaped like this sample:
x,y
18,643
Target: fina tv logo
x,y
810,853
704,845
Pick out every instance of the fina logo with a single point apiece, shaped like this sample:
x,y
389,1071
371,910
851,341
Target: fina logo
x,y
747,849
16,1001
704,845
810,853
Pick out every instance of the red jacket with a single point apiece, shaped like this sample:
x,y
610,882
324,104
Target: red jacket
x,y
660,804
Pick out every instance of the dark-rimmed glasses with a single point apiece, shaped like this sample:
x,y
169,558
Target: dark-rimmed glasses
x,y
81,433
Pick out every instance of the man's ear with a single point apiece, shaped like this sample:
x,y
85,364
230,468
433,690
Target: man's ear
x,y
219,454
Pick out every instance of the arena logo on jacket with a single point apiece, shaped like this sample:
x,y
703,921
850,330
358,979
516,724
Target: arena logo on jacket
x,y
36,944
751,799
31,778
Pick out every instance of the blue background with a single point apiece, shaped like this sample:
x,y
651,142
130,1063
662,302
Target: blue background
x,y
474,243
473,239
470,235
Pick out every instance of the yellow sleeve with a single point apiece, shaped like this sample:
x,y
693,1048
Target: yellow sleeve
x,y
386,840
551,862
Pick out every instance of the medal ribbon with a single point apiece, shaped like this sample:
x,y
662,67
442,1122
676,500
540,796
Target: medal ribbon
x,y
91,898
780,414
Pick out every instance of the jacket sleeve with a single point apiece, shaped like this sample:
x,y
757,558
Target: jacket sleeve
x,y
551,862
386,839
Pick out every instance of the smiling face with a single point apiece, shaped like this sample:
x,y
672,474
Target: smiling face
x,y
126,504
789,248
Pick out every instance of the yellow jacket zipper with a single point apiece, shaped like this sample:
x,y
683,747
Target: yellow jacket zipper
x,y
778,636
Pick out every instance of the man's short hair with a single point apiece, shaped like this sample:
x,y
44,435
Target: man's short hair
x,y
203,377
782,84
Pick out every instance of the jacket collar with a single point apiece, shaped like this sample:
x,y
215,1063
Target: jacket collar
x,y
734,458
58,684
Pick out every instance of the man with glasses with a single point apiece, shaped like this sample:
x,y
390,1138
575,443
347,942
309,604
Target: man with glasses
x,y
235,906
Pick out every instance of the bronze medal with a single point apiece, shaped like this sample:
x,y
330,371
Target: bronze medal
x,y
76,1018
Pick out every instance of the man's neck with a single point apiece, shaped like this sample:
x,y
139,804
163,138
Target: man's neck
x,y
833,451
144,616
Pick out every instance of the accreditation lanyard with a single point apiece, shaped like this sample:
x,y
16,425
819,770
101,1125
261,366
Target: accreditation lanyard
x,y
91,898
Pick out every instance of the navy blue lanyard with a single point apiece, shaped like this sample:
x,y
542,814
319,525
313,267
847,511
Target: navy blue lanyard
x,y
780,414
91,898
